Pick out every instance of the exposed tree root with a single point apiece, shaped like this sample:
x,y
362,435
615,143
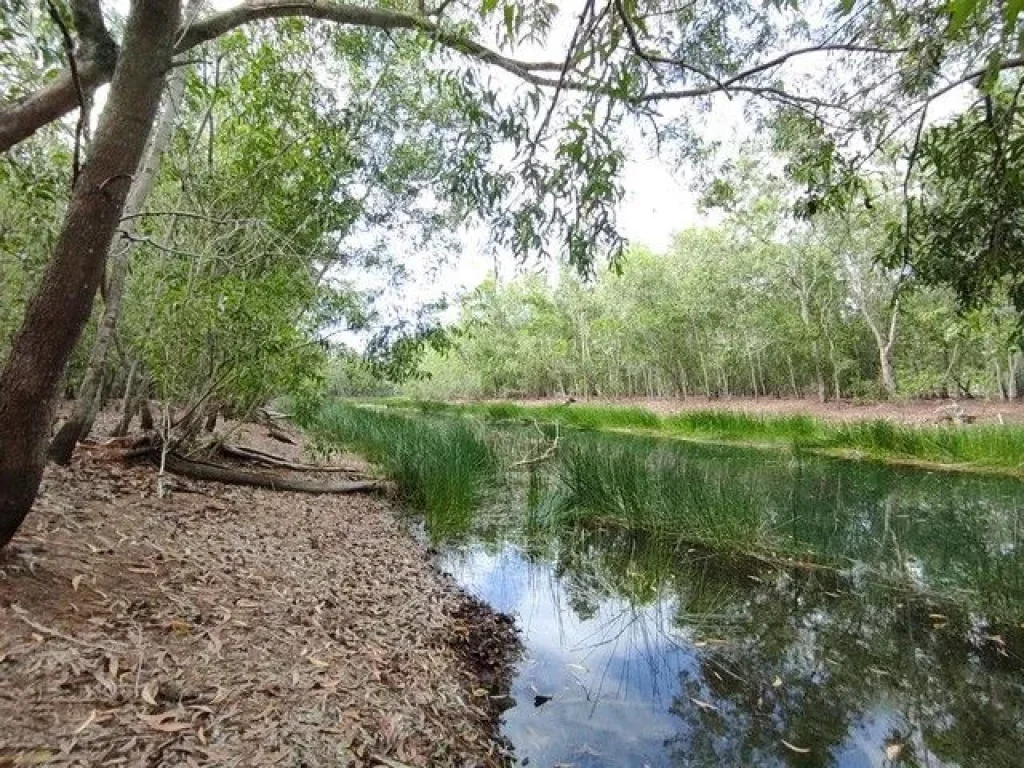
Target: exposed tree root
x,y
270,460
202,470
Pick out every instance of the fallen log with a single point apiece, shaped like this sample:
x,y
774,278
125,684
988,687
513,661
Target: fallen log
x,y
279,462
124,448
203,470
281,436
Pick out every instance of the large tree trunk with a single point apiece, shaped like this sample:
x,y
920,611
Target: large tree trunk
x,y
61,305
79,423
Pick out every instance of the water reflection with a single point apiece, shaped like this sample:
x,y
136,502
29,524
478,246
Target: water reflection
x,y
905,649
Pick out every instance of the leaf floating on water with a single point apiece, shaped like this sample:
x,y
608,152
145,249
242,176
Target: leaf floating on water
x,y
893,751
777,682
795,748
705,705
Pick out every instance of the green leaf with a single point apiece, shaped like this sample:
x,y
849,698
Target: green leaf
x,y
1011,12
487,6
510,20
960,11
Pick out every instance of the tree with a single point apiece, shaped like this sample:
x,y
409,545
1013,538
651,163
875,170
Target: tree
x,y
562,189
964,227
56,314
79,423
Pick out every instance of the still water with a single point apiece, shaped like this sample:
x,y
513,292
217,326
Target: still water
x,y
905,649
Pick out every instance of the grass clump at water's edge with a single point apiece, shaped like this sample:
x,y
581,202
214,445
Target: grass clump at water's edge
x,y
442,467
644,486
996,448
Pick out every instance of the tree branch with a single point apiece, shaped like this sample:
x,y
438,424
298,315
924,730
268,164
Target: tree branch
x,y
58,98
219,24
654,58
69,48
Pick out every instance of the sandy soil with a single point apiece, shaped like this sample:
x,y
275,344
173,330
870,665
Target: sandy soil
x,y
235,626
908,412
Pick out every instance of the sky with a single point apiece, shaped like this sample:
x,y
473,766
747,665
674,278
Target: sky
x,y
658,202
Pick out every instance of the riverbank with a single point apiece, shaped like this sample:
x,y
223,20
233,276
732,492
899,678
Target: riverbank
x,y
224,625
899,411
940,443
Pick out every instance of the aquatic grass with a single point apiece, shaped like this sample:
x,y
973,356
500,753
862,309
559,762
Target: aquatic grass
x,y
596,416
779,507
651,486
440,466
736,425
998,448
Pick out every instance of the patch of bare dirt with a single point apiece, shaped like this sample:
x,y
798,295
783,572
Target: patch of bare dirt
x,y
905,412
234,626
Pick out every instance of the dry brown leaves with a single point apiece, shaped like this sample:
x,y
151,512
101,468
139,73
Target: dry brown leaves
x,y
235,626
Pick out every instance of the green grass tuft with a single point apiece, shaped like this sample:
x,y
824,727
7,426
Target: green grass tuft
x,y
440,466
651,486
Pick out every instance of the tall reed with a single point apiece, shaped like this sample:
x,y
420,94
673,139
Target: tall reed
x,y
643,484
441,466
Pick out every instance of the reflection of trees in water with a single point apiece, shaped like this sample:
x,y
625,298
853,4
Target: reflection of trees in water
x,y
805,657
933,532
916,619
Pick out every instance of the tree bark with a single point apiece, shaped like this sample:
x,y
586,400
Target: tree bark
x,y
886,370
129,404
83,414
62,303
146,420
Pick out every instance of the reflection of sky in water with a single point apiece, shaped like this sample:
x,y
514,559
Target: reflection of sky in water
x,y
614,677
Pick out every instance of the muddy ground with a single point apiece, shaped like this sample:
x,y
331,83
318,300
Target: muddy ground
x,y
232,626
907,412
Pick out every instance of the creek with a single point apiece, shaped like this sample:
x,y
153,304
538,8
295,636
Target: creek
x,y
875,620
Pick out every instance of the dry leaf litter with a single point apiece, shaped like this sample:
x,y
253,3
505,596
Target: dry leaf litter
x,y
235,626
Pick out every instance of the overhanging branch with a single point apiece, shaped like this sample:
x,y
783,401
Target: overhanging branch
x,y
61,96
